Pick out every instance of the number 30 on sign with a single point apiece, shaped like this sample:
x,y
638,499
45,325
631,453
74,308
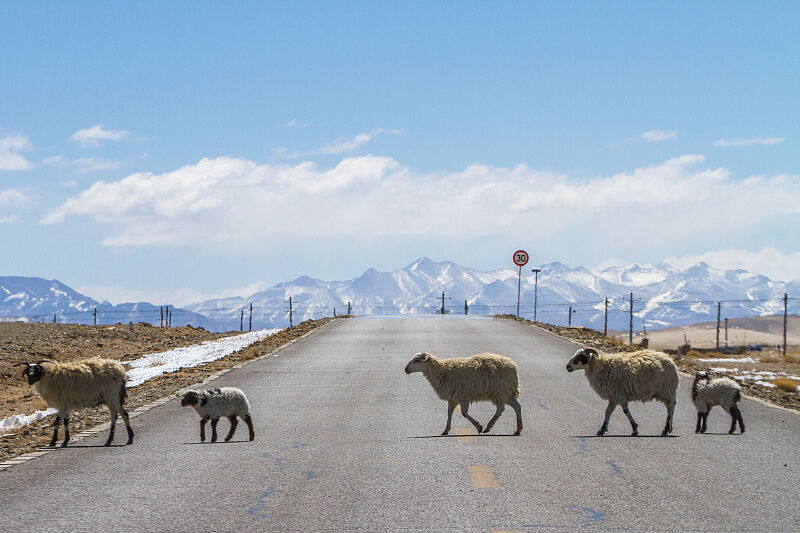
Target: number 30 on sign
x,y
520,258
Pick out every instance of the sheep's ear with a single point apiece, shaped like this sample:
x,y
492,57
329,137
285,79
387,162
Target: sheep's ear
x,y
204,400
591,351
424,356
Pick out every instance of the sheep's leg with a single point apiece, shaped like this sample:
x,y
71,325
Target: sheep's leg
x,y
514,403
668,425
699,422
234,423
451,406
203,428
705,418
124,414
634,425
113,426
66,432
249,422
500,409
739,417
609,409
465,412
55,431
214,429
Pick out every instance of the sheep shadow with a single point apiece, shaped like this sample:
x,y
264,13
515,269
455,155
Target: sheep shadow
x,y
208,442
626,436
70,446
478,435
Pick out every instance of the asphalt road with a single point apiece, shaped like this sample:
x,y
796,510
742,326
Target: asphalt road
x,y
345,440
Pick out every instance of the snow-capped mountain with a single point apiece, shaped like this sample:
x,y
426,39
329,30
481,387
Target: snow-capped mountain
x,y
662,296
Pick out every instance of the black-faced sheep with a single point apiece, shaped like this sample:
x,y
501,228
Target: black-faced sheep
x,y
707,392
215,403
484,377
622,378
71,386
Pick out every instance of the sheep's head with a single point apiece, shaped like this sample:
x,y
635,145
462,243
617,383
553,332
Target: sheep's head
x,y
581,359
34,371
418,363
192,397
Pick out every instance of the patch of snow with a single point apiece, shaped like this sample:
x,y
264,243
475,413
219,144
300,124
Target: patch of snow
x,y
766,384
729,360
155,364
17,421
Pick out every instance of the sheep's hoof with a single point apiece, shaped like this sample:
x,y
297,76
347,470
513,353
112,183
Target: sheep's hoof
x,y
130,441
601,433
64,444
445,432
479,428
517,432
635,434
227,439
730,432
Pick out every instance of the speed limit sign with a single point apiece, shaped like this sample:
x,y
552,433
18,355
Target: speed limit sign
x,y
520,258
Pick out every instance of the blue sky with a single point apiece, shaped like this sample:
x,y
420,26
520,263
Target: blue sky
x,y
177,151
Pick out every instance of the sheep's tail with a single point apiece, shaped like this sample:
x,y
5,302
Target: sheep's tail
x,y
123,393
737,396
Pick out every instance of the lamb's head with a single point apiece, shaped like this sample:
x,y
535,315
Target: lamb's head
x,y
418,363
581,359
193,397
34,371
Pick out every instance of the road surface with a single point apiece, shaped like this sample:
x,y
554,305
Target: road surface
x,y
346,441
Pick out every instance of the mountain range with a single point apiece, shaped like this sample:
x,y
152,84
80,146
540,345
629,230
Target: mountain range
x,y
662,296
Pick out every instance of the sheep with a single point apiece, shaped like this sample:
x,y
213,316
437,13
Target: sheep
x,y
638,376
484,377
70,386
707,392
215,403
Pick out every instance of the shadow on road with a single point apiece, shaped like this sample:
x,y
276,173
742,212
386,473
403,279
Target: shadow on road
x,y
481,435
627,436
218,442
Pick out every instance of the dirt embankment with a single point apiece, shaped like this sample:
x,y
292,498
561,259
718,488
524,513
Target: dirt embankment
x,y
66,342
693,363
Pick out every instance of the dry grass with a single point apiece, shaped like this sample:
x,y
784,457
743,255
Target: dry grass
x,y
786,384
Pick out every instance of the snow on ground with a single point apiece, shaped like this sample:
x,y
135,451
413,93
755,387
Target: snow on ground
x,y
729,360
155,364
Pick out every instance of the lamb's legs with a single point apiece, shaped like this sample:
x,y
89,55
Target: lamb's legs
x,y
113,425
634,425
214,429
66,432
736,415
668,425
203,428
699,422
514,403
55,432
234,423
249,422
465,412
739,417
451,406
705,419
609,409
124,414
500,409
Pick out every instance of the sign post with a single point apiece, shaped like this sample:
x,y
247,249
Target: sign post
x,y
520,259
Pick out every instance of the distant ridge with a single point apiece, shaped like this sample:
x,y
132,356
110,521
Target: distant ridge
x,y
663,296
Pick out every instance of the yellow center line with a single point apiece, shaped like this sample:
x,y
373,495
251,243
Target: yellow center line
x,y
466,435
482,477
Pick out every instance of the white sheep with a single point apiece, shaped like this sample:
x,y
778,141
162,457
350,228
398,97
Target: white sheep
x,y
68,387
707,392
212,404
638,376
483,377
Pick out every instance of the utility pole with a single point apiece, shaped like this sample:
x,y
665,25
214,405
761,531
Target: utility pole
x,y
251,317
466,308
162,316
291,319
785,311
605,320
569,320
241,321
349,310
719,307
443,299
535,291
726,332
630,327
95,316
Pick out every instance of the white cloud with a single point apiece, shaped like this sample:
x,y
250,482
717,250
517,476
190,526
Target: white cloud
x,y
239,202
12,198
92,136
337,147
295,124
769,262
11,149
766,141
85,165
657,135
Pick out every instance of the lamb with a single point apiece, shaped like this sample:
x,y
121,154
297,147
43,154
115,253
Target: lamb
x,y
638,376
484,377
707,392
215,403
71,386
